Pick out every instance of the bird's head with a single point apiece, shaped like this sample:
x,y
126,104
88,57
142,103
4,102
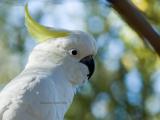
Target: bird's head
x,y
73,51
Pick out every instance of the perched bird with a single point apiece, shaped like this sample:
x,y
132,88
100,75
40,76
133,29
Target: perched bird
x,y
45,89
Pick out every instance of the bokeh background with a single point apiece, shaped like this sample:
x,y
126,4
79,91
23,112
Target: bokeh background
x,y
126,84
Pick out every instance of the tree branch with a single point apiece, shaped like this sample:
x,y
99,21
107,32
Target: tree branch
x,y
137,21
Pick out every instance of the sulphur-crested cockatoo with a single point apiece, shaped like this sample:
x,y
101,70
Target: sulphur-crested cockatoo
x,y
45,89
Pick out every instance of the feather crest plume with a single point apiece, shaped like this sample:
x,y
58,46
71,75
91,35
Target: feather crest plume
x,y
40,32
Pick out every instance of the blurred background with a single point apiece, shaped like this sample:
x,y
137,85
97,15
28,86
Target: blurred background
x,y
126,84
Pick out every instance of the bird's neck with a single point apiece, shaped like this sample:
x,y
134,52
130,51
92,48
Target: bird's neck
x,y
62,89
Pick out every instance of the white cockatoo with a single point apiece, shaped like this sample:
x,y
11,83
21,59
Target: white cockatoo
x,y
45,89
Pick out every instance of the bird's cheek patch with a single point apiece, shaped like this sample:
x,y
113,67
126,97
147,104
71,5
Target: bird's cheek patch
x,y
84,72
84,69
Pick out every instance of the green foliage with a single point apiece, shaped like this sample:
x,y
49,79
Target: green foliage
x,y
126,83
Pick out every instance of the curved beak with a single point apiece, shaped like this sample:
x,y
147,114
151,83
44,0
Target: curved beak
x,y
89,62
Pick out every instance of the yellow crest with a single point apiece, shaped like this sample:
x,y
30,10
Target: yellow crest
x,y
40,32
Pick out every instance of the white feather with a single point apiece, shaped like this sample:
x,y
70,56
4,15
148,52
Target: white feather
x,y
46,87
44,96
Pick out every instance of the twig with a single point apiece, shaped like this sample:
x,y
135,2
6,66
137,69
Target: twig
x,y
137,21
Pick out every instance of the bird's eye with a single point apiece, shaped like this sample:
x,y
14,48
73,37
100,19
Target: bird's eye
x,y
73,52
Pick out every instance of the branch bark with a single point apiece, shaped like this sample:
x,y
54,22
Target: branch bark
x,y
137,21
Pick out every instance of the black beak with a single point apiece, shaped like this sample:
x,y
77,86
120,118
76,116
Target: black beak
x,y
89,62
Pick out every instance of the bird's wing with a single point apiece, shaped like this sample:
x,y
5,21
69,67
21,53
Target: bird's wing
x,y
29,98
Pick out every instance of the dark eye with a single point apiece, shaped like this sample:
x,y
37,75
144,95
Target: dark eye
x,y
73,52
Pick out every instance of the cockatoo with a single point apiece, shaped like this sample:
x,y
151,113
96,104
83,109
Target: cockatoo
x,y
45,89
